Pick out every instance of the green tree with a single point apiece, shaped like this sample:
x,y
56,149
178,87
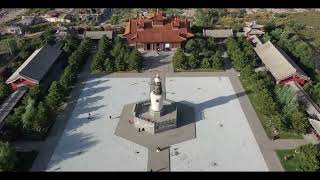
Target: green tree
x,y
14,120
54,97
70,45
135,60
270,25
314,92
191,46
68,78
98,61
179,60
34,93
8,157
299,121
41,122
109,65
12,43
5,90
216,61
210,44
309,157
205,64
266,37
287,99
192,61
275,121
120,64
48,36
29,115
207,17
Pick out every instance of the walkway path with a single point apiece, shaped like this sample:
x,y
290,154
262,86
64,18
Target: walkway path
x,y
47,147
159,161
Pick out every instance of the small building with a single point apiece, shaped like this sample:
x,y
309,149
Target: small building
x,y
54,16
30,20
219,34
157,31
36,67
280,65
252,28
93,14
96,35
14,29
63,31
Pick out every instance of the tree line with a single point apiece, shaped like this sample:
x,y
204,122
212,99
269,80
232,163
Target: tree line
x,y
5,91
276,103
33,117
301,52
287,39
198,53
115,56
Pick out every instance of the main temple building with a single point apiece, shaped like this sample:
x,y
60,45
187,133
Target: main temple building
x,y
157,31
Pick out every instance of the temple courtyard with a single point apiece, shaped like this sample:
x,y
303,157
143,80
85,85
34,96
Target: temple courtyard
x,y
220,139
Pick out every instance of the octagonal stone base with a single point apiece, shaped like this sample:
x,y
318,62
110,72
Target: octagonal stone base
x,y
186,129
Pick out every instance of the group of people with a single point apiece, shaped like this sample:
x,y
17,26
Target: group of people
x,y
89,116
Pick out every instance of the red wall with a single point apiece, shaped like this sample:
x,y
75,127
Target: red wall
x,y
296,79
17,83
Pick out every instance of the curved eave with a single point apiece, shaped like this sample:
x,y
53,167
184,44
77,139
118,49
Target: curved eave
x,y
23,77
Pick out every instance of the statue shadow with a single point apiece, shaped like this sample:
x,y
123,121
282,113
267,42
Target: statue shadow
x,y
189,112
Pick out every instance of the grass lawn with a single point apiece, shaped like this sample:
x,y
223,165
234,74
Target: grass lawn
x,y
292,164
25,160
263,120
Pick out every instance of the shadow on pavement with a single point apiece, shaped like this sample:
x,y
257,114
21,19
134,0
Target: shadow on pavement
x,y
199,108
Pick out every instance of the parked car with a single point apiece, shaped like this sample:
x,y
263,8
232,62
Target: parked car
x,y
166,49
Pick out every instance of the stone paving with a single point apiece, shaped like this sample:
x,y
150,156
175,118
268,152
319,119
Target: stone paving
x,y
223,134
185,131
90,138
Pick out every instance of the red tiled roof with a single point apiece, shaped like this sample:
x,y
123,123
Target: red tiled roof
x,y
158,16
163,33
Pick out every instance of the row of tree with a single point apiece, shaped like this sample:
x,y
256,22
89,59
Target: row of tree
x,y
5,90
296,119
8,157
198,53
277,104
287,39
32,117
115,56
309,158
207,17
241,53
313,89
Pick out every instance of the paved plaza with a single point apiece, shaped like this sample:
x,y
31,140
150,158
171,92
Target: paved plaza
x,y
224,140
90,144
221,139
